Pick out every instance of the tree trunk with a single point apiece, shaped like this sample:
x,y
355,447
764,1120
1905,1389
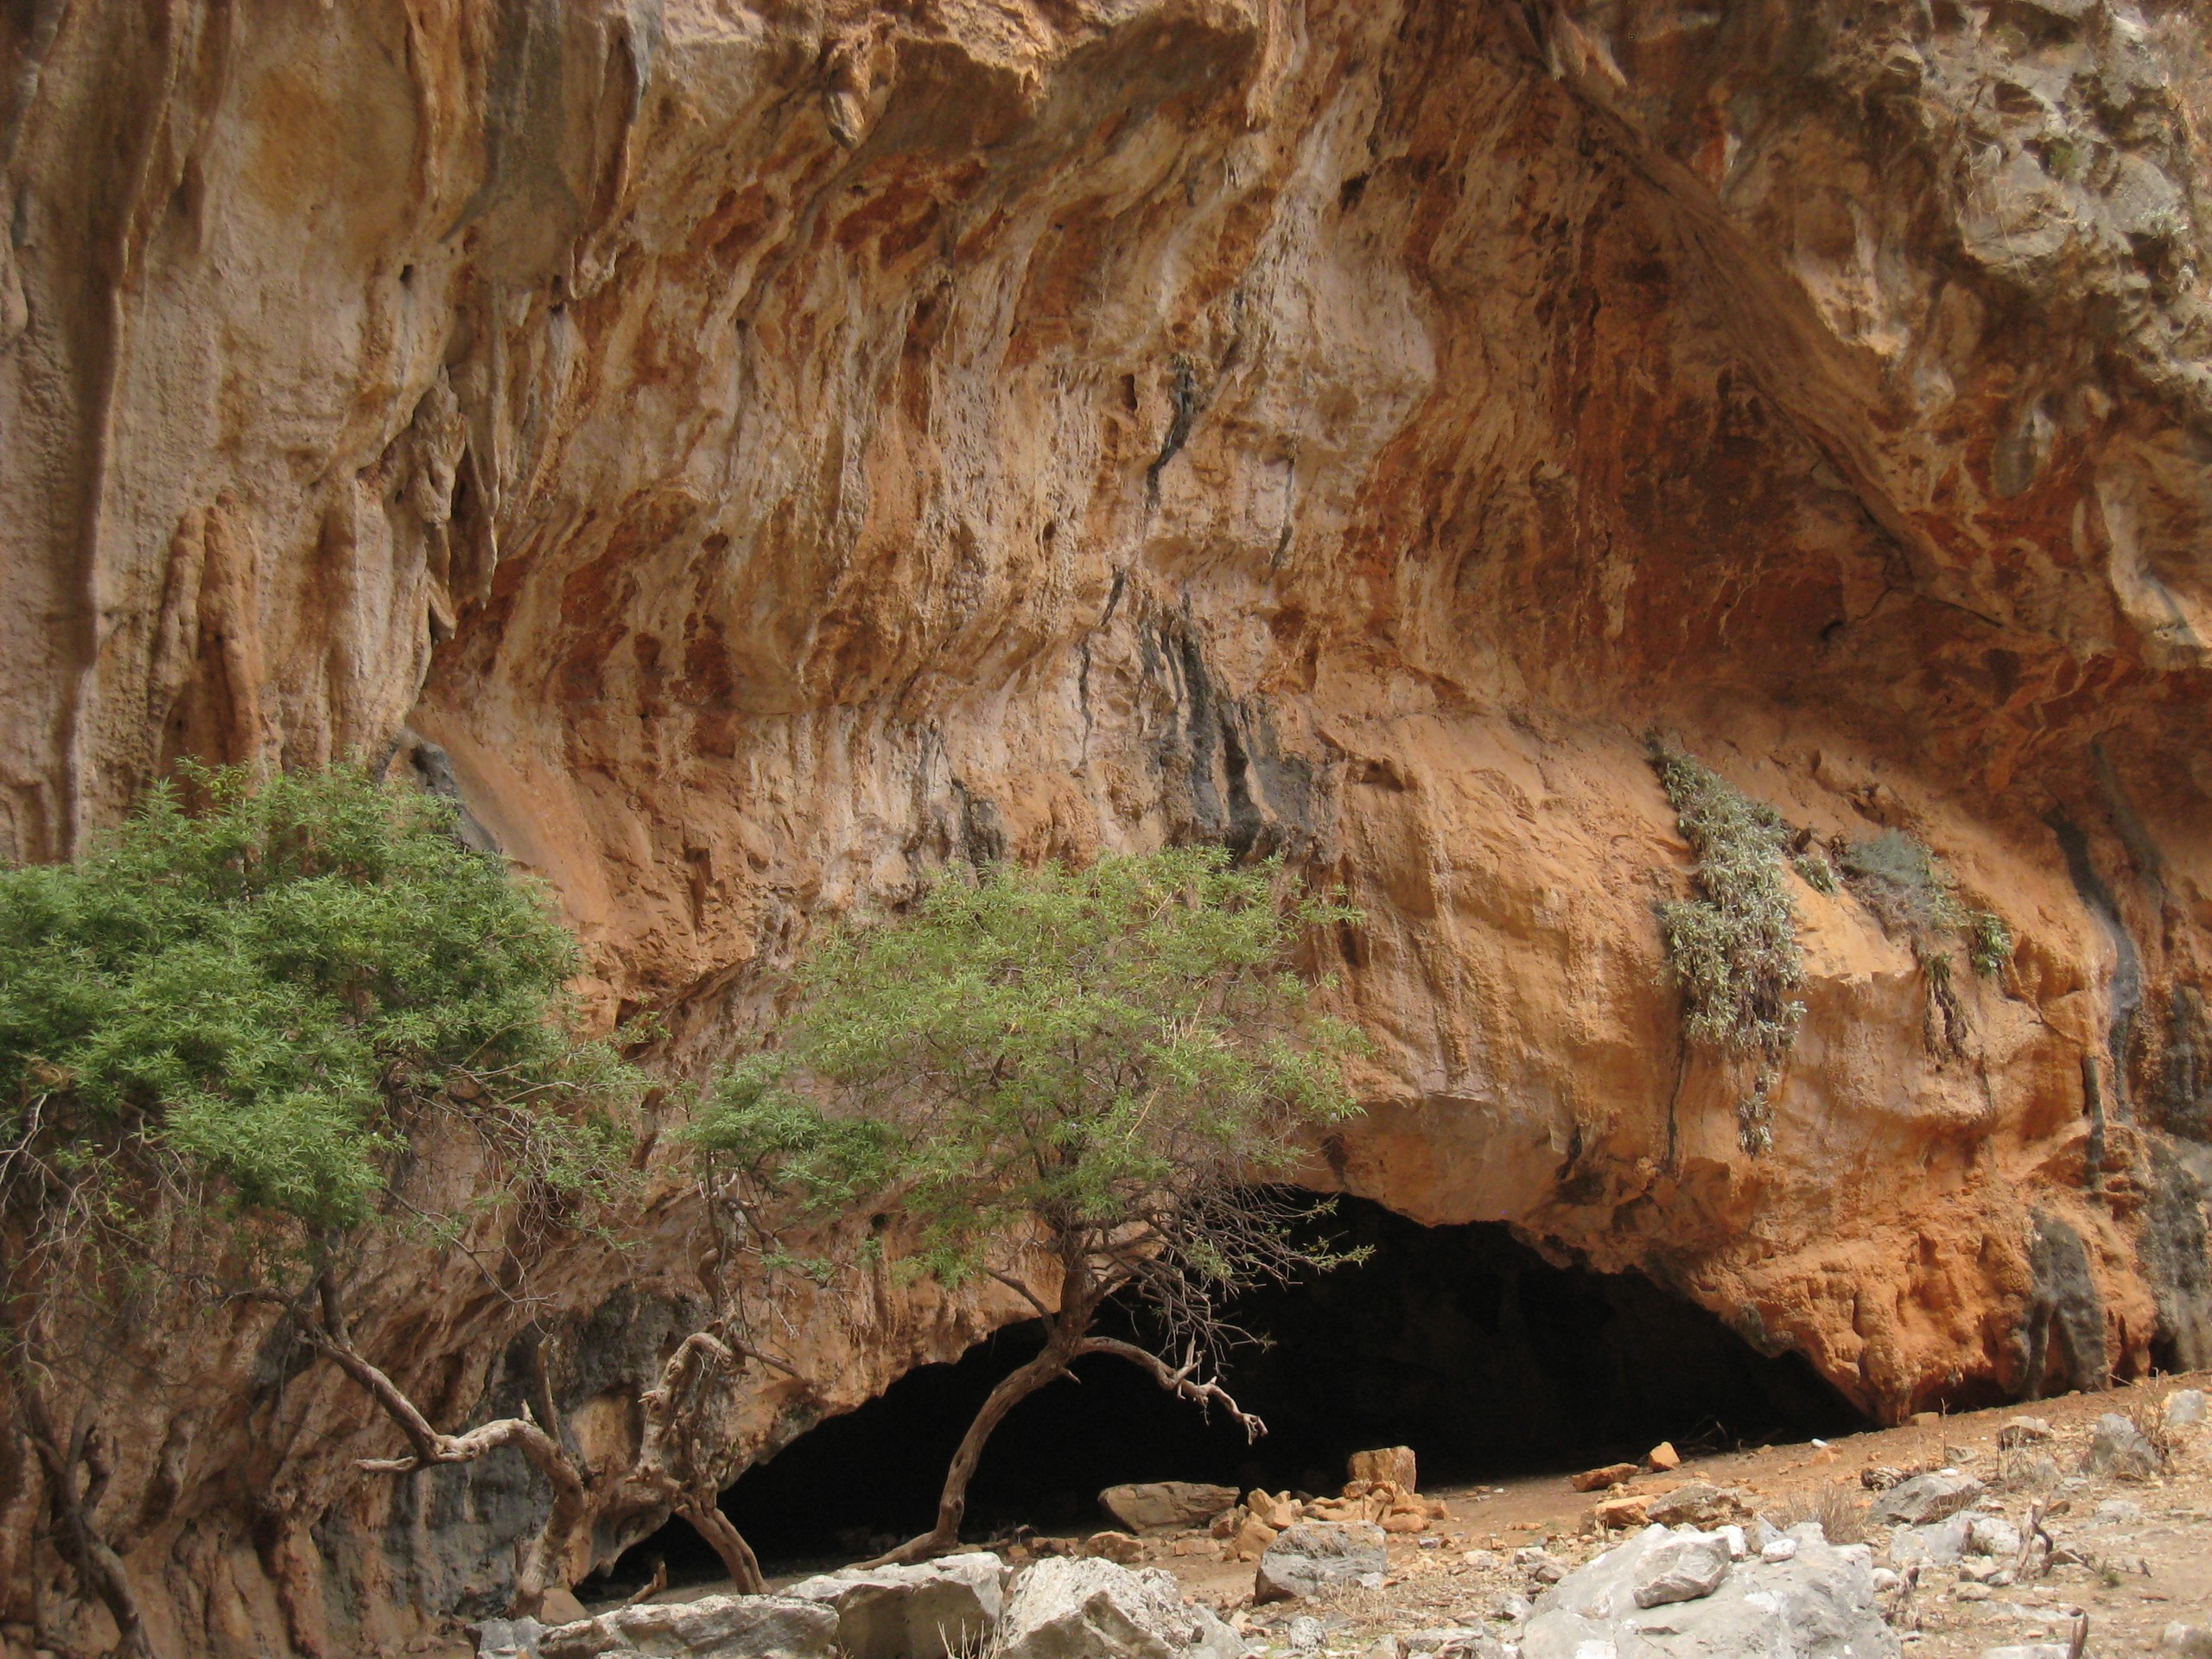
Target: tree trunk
x,y
99,1567
953,1505
547,1564
738,1559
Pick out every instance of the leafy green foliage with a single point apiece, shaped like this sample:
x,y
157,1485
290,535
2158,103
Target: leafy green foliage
x,y
256,1002
1908,888
1912,894
1112,1060
1814,869
1734,945
1989,944
1904,885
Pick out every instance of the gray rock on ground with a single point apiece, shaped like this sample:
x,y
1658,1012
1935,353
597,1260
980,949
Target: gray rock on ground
x,y
1681,1567
2117,1449
1944,1542
1817,1605
1159,1505
1924,1498
1700,1504
1083,1608
2027,1651
922,1611
2187,1641
506,1638
713,1627
1314,1556
2185,1408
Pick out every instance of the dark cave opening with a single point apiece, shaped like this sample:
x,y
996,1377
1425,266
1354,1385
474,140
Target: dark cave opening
x,y
1458,1341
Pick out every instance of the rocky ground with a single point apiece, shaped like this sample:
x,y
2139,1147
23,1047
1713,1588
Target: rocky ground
x,y
2087,1516
2144,1545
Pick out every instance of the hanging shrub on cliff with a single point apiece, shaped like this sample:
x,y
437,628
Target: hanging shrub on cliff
x,y
1734,946
1913,895
1080,1083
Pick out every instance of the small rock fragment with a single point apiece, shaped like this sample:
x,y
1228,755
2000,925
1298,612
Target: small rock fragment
x,y
1924,1498
1111,1546
1314,1554
2189,1641
1663,1456
2028,1650
1681,1569
2185,1408
1612,1474
1699,1504
1306,1634
1615,1513
2117,1450
1779,1549
1252,1540
1877,1477
2023,1431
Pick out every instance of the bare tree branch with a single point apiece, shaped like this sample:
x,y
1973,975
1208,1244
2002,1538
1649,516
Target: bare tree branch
x,y
1180,1380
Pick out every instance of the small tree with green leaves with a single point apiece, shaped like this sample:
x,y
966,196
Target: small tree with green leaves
x,y
221,1033
1082,1084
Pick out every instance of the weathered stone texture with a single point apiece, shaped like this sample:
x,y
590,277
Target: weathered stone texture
x,y
755,452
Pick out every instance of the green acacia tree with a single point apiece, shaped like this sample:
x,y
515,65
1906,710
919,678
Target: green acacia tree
x,y
1083,1083
221,1033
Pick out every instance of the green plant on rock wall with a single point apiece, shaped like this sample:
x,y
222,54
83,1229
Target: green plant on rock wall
x,y
225,1032
247,1009
1914,896
1733,944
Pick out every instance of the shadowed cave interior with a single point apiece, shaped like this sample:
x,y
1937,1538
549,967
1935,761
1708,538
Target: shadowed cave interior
x,y
1458,1341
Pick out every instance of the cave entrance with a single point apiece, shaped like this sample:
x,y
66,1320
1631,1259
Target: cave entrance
x,y
1458,1341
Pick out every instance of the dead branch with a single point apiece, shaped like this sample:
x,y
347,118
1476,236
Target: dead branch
x,y
1181,1380
550,1554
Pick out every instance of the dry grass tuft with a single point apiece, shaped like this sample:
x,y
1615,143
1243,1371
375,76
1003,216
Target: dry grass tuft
x,y
1842,1517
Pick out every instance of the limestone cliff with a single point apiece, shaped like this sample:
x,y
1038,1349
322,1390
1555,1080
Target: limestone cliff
x,y
756,451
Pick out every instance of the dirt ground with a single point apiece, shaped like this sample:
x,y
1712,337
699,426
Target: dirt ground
x,y
2147,1545
2144,1546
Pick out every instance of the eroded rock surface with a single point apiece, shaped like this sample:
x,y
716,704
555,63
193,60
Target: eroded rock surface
x,y
750,455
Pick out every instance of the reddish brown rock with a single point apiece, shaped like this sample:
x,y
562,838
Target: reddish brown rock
x,y
752,454
1613,1474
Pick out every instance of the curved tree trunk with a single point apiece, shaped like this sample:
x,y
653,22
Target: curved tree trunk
x,y
738,1559
953,1505
98,1566
551,1555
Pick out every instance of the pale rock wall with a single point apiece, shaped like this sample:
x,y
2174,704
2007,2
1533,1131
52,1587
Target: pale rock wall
x,y
762,451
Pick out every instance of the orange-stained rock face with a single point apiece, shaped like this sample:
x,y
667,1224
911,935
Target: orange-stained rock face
x,y
763,451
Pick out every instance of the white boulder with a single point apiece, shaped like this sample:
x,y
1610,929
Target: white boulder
x,y
713,1627
1819,1604
922,1611
1083,1608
